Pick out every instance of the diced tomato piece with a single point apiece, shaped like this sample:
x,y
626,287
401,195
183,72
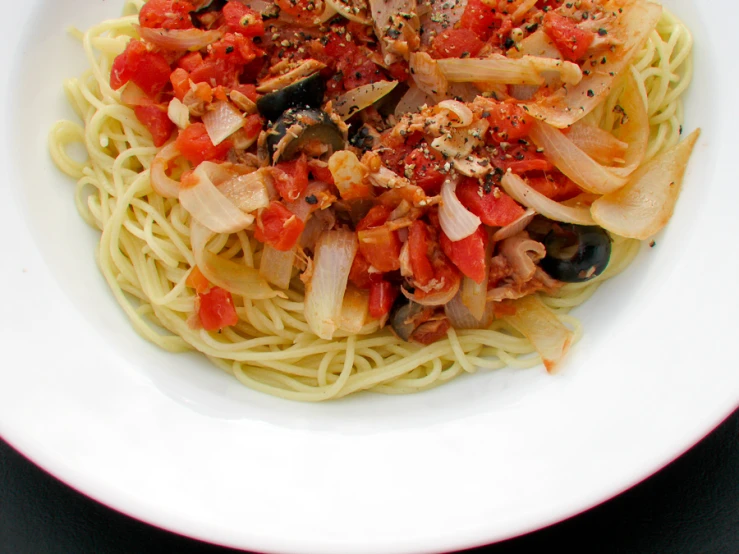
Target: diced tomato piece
x,y
555,186
426,172
154,117
197,281
359,273
375,217
494,208
278,227
418,247
456,43
524,159
291,178
571,41
399,71
468,254
479,18
397,148
381,298
253,125
250,91
217,310
166,14
381,246
242,19
233,49
180,80
149,70
359,71
191,61
195,145
508,122
321,172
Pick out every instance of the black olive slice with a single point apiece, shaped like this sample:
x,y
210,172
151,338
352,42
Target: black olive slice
x,y
305,126
306,93
576,253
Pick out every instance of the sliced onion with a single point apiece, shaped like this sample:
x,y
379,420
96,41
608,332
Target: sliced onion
x,y
247,192
303,209
348,172
209,206
412,101
527,70
277,266
457,221
600,145
634,131
536,44
428,76
324,293
461,318
646,203
541,326
222,120
463,113
347,11
305,69
162,184
516,227
522,193
132,95
357,99
573,162
437,298
354,310
566,106
178,113
234,277
179,39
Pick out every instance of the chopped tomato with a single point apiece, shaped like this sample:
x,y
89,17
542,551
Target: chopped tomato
x,y
381,298
197,281
166,14
250,91
180,80
217,309
375,217
195,145
468,254
456,43
381,246
508,122
278,227
399,71
359,273
555,186
418,247
522,159
291,178
242,19
154,117
321,172
233,49
253,125
350,62
571,41
426,172
149,70
479,18
191,61
397,148
494,208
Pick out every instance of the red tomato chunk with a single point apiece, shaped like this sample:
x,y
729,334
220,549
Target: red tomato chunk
x,y
217,310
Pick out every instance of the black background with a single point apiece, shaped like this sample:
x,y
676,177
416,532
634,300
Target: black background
x,y
690,506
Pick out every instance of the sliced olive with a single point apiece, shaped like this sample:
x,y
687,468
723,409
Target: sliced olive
x,y
308,128
576,253
365,138
404,317
306,93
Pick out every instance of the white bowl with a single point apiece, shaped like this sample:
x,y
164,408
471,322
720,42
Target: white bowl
x,y
172,440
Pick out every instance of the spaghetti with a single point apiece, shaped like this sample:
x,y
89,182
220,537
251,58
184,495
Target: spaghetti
x,y
145,251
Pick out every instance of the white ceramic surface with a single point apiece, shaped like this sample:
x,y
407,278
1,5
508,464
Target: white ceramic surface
x,y
174,441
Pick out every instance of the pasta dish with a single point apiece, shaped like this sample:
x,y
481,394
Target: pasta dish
x,y
330,196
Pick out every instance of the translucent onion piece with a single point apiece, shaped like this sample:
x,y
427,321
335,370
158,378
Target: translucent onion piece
x,y
276,266
536,44
516,227
178,113
248,192
222,120
162,184
324,293
435,299
210,207
132,95
527,70
541,326
359,98
600,145
179,39
350,12
573,162
428,76
236,278
354,310
522,193
463,113
461,318
457,222
348,172
646,203
305,69
634,129
566,106
412,101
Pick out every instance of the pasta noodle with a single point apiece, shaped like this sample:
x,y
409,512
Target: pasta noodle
x,y
145,253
